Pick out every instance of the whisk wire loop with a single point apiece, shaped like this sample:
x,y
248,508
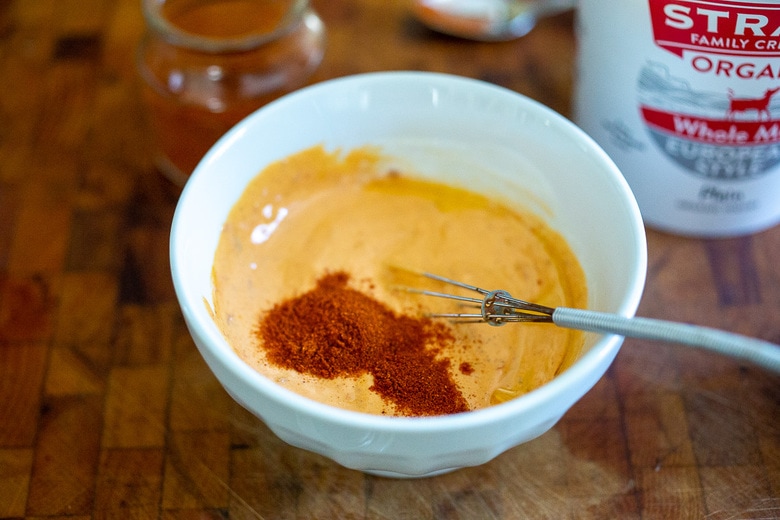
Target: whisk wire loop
x,y
496,307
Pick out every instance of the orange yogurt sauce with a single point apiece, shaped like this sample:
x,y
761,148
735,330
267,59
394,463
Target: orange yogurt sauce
x,y
317,211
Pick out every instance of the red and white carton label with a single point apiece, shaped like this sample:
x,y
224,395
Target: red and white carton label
x,y
685,97
731,28
725,133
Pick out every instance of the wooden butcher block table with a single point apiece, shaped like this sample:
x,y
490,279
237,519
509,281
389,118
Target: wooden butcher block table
x,y
108,411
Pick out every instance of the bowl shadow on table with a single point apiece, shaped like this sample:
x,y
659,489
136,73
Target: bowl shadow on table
x,y
571,468
596,462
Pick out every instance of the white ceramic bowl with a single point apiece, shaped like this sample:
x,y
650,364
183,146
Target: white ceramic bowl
x,y
449,128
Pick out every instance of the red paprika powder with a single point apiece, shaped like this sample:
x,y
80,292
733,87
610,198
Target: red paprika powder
x,y
334,331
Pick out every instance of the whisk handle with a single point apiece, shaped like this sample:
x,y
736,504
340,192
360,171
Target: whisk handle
x,y
757,351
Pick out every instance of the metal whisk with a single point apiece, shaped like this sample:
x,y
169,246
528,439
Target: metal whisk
x,y
499,307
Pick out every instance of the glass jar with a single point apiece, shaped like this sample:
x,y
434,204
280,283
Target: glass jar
x,y
207,64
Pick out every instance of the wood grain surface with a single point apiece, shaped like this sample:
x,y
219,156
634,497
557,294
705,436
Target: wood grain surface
x,y
108,411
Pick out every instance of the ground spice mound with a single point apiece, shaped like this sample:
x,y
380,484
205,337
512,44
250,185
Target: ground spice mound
x,y
334,330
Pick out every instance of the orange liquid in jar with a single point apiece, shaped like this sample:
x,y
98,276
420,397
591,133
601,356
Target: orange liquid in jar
x,y
227,18
194,96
